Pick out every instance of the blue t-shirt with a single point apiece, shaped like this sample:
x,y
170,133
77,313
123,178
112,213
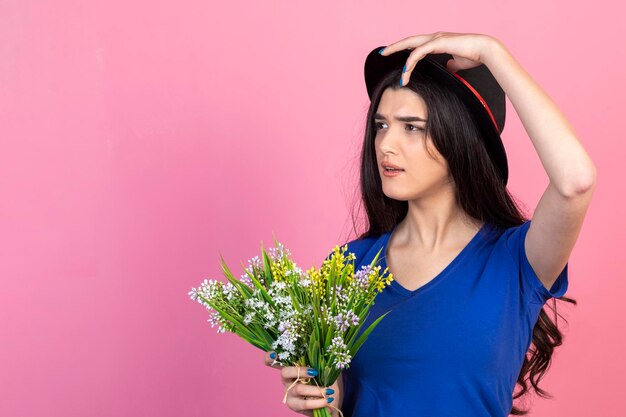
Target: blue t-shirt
x,y
455,346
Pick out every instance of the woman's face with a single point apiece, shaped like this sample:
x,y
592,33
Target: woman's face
x,y
404,143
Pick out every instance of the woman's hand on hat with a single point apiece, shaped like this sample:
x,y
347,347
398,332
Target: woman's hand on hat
x,y
467,49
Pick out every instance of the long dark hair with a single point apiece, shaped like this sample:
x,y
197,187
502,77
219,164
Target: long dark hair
x,y
480,192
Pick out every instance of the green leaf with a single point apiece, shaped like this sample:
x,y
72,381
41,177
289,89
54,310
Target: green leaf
x,y
260,331
240,328
375,260
315,351
344,274
256,282
240,286
267,267
354,348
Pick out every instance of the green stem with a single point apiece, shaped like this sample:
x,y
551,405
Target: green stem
x,y
322,412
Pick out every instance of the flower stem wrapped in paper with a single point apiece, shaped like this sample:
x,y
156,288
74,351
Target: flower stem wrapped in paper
x,y
308,318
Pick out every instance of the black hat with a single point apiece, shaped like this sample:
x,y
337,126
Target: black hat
x,y
476,87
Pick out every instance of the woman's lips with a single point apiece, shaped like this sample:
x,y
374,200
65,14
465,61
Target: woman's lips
x,y
392,173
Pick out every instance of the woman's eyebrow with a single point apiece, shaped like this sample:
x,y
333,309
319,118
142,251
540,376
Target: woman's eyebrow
x,y
401,118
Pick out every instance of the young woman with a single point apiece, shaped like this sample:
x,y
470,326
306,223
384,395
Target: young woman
x,y
471,273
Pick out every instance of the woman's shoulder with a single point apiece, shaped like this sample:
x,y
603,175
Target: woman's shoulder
x,y
364,248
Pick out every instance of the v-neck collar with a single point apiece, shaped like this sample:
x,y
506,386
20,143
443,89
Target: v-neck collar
x,y
385,237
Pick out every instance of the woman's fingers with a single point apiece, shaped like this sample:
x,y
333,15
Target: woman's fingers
x,y
300,404
311,391
290,373
419,45
410,42
271,361
302,398
467,50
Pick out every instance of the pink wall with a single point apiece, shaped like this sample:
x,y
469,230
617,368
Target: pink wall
x,y
141,139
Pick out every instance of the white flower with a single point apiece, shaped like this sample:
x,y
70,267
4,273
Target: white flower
x,y
230,291
339,349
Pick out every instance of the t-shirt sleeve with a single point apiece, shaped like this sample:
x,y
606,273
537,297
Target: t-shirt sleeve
x,y
531,286
357,246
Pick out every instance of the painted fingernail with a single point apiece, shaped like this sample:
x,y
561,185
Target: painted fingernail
x,y
311,372
273,355
380,51
329,391
404,69
400,81
330,399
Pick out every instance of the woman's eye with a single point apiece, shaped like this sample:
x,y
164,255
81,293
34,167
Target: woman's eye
x,y
416,128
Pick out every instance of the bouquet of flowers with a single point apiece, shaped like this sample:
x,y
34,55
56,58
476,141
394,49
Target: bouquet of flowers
x,y
308,318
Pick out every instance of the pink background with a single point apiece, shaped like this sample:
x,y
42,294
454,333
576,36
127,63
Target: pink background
x,y
142,139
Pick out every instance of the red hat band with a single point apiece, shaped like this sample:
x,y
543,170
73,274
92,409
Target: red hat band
x,y
479,98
